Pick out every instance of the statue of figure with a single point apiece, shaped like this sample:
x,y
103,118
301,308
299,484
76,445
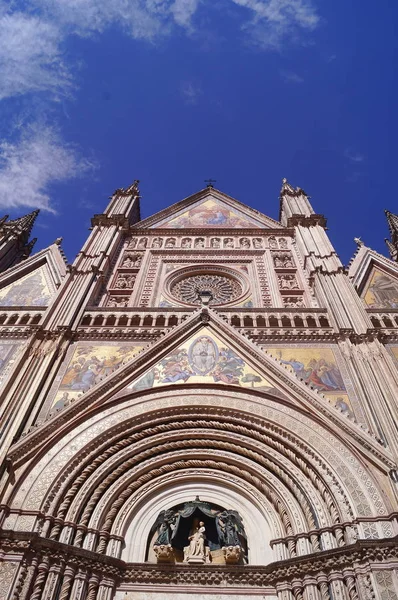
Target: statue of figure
x,y
196,539
170,243
215,242
165,524
127,263
157,243
272,242
278,261
288,262
199,243
186,243
228,243
245,243
282,243
257,242
228,530
142,243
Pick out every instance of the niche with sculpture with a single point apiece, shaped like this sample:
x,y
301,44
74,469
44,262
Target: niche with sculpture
x,y
198,532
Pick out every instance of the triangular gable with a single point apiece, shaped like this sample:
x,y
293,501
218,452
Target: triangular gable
x,y
34,281
375,277
202,358
33,289
276,381
381,290
209,213
209,208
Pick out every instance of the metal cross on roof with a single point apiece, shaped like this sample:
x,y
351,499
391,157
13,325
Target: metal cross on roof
x,y
210,182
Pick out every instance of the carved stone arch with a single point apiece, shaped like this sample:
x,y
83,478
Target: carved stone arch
x,y
341,472
95,457
141,510
109,505
291,477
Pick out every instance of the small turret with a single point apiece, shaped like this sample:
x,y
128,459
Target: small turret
x,y
14,239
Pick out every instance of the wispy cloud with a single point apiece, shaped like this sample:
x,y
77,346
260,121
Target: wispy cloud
x,y
353,155
30,58
191,92
33,61
274,20
291,77
31,164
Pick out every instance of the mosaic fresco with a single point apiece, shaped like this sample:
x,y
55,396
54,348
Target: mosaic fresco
x,y
394,350
382,291
209,214
7,357
317,367
31,290
87,366
202,359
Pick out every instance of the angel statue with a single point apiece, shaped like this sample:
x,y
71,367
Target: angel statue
x,y
165,526
229,525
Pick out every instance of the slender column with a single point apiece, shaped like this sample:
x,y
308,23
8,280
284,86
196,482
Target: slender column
x,y
40,580
79,586
69,575
93,585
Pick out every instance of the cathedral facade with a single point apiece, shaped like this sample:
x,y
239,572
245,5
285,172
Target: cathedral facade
x,y
203,405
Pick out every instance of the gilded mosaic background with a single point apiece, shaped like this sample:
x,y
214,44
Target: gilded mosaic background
x,y
317,367
382,291
209,214
202,359
87,366
31,290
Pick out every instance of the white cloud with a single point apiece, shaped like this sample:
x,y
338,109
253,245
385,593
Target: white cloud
x,y
291,77
29,166
30,58
31,43
353,156
190,92
274,20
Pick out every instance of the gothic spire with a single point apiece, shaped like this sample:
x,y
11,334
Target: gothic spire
x,y
25,223
392,244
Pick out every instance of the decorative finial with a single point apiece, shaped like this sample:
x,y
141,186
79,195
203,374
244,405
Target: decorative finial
x,y
358,241
210,182
58,241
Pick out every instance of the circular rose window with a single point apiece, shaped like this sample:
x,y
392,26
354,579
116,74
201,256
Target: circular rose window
x,y
221,289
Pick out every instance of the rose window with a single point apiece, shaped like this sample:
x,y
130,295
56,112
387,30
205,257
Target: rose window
x,y
221,289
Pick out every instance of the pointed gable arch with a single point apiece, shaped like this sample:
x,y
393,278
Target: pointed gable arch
x,y
277,382
209,208
33,282
375,278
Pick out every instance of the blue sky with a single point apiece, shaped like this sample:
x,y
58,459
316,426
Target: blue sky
x,y
95,94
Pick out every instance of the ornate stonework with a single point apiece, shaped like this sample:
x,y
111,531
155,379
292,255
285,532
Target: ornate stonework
x,y
220,288
205,407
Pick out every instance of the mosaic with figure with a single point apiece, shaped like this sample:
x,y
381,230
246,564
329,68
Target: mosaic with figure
x,y
31,290
87,366
382,291
209,214
202,359
317,367
7,357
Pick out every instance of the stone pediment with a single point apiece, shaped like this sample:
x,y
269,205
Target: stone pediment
x,y
375,278
229,360
34,281
209,209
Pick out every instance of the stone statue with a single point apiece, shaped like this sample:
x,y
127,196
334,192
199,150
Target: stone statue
x,y
186,243
196,548
142,243
227,528
165,526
